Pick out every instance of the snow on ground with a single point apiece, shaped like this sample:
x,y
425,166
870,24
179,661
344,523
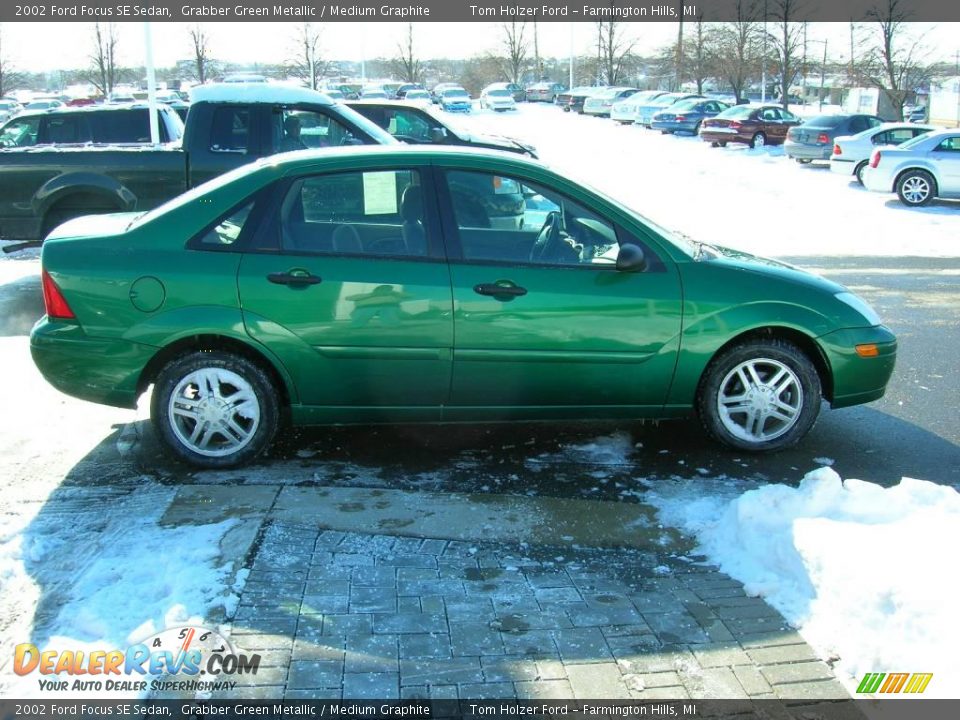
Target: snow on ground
x,y
867,574
753,200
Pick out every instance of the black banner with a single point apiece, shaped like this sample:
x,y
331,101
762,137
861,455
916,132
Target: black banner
x,y
471,10
370,709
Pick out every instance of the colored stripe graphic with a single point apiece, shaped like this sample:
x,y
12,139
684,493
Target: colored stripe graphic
x,y
894,683
918,682
870,682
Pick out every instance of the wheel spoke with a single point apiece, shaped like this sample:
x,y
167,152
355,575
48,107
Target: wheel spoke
x,y
744,379
754,377
197,429
234,431
207,435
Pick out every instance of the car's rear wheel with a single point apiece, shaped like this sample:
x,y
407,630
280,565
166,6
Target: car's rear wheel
x,y
761,395
858,171
696,129
215,409
803,161
758,140
916,188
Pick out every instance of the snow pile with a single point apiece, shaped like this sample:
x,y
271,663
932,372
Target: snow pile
x,y
866,573
129,579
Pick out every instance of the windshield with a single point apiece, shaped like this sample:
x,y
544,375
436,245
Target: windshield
x,y
498,93
685,104
416,94
376,132
455,93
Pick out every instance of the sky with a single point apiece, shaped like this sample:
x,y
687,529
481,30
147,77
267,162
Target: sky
x,y
51,46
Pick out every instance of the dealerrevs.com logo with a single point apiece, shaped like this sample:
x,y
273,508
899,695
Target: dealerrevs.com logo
x,y
187,658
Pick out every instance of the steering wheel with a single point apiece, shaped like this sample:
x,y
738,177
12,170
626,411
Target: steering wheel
x,y
548,240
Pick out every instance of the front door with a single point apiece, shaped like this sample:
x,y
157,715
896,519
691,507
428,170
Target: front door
x,y
354,295
545,324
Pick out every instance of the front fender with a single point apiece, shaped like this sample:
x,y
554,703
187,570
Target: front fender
x,y
704,333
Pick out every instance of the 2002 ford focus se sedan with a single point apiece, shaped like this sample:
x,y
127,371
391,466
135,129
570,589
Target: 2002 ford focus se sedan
x,y
364,285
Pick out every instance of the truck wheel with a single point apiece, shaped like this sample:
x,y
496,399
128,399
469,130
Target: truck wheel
x,y
916,188
761,395
215,409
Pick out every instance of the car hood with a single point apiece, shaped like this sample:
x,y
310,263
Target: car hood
x,y
93,226
496,142
767,266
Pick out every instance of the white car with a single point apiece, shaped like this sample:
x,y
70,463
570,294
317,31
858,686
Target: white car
x,y
851,153
625,111
497,98
918,171
601,103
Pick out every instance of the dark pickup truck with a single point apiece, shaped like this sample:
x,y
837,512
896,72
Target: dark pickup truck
x,y
228,125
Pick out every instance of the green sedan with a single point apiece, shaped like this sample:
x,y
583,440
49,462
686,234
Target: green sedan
x,y
375,285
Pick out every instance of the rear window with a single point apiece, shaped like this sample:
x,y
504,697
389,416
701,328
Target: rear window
x,y
736,113
120,126
825,121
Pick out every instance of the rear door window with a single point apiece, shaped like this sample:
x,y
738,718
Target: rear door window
x,y
231,130
21,132
65,130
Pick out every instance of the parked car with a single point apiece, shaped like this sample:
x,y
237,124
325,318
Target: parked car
x,y
228,125
648,109
307,275
374,93
455,100
599,103
919,170
686,116
915,113
543,92
625,111
851,153
420,123
572,100
8,108
99,124
420,97
813,140
516,91
45,104
439,89
409,87
498,99
753,125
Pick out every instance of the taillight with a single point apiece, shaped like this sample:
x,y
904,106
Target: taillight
x,y
53,300
735,124
837,150
823,139
875,159
680,118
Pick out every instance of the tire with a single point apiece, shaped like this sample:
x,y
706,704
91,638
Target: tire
x,y
723,143
756,416
254,416
714,143
803,161
696,129
758,140
916,188
858,172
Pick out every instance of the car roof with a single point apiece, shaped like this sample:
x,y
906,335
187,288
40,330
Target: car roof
x,y
256,92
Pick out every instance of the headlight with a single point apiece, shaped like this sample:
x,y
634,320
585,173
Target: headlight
x,y
860,305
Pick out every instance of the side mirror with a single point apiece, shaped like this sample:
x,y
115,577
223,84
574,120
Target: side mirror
x,y
631,258
438,135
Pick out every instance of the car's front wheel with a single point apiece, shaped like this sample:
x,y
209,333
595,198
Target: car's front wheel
x,y
916,188
761,395
215,409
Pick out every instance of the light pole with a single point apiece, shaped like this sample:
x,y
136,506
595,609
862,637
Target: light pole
x,y
823,70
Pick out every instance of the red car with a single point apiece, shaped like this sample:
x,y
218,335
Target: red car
x,y
753,125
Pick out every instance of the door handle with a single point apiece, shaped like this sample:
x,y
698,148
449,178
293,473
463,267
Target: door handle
x,y
501,290
294,277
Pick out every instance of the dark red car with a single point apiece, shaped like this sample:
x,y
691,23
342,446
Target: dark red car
x,y
753,125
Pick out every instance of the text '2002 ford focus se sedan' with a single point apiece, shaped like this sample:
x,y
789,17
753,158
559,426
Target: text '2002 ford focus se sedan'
x,y
363,285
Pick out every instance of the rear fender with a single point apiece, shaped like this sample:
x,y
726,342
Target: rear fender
x,y
114,193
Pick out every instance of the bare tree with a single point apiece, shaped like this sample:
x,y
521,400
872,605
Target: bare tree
x,y
8,73
200,40
306,63
515,45
735,47
787,39
614,51
537,60
896,63
407,65
105,73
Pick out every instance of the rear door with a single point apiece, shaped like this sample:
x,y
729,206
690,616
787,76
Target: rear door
x,y
544,323
946,158
348,284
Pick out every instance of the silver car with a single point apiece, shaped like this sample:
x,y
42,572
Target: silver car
x,y
920,170
851,153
